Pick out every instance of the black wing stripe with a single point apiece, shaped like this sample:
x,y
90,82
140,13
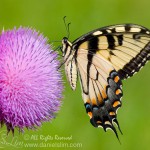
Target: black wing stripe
x,y
111,41
92,46
127,27
120,39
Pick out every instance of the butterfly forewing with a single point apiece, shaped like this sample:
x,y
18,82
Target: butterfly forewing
x,y
125,46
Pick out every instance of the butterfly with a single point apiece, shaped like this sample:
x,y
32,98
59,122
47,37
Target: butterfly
x,y
101,59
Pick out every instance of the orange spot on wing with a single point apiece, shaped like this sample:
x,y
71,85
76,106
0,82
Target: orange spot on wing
x,y
112,113
118,91
116,103
100,98
90,114
88,101
94,101
116,79
104,94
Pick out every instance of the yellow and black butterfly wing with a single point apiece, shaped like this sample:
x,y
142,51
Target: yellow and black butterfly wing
x,y
126,46
104,57
102,89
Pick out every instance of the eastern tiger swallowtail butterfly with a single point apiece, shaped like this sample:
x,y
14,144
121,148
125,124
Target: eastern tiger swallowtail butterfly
x,y
102,58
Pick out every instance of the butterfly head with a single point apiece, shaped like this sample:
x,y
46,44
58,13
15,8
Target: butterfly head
x,y
66,46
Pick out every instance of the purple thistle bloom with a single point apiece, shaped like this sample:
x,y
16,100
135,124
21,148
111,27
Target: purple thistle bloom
x,y
30,84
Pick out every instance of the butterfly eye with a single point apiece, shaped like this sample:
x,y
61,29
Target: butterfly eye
x,y
65,40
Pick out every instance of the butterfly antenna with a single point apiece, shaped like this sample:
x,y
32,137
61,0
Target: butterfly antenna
x,y
66,26
64,19
68,30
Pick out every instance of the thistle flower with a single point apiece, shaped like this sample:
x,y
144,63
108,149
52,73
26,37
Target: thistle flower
x,y
30,84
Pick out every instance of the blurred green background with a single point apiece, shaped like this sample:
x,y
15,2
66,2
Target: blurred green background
x,y
72,120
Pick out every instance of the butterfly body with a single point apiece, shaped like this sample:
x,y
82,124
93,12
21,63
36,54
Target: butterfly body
x,y
101,59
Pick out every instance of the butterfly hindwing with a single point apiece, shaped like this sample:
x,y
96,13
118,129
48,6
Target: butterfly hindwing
x,y
102,89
